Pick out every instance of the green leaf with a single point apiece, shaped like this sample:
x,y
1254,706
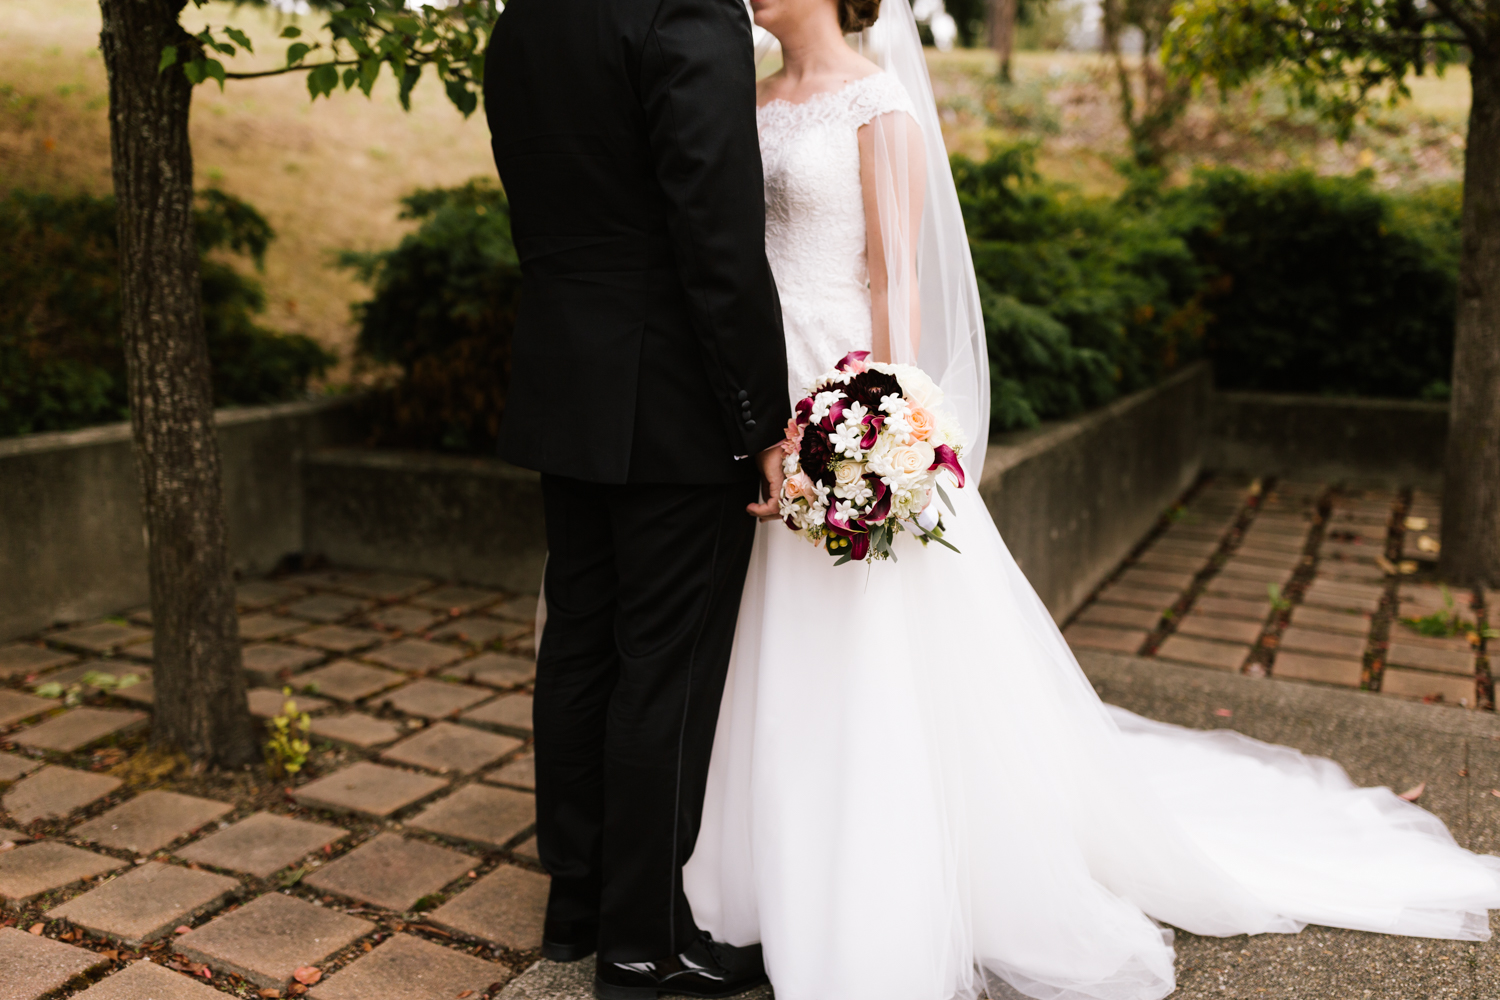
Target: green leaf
x,y
944,494
409,77
296,51
322,80
291,31
168,57
194,71
462,97
240,37
350,75
215,69
369,70
49,690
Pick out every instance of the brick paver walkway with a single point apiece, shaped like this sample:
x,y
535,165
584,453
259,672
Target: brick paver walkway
x,y
1298,582
401,863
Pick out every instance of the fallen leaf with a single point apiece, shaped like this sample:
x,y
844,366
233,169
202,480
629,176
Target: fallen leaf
x,y
1386,566
296,990
182,929
7,845
1416,523
1495,792
1223,713
110,954
271,994
1429,544
465,993
308,975
37,929
473,874
1413,794
1463,772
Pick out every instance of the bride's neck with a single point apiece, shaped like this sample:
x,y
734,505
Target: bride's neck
x,y
812,48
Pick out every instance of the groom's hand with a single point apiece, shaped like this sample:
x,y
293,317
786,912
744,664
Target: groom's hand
x,y
771,479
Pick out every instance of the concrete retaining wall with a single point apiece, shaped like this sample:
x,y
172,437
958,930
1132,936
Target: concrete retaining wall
x,y
71,537
1374,442
1072,498
473,519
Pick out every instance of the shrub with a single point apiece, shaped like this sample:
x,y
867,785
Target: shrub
x,y
1084,298
443,310
1325,284
61,361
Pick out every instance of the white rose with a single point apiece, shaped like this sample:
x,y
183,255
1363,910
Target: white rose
x,y
912,459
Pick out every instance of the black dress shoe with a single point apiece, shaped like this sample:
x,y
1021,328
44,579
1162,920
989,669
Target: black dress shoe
x,y
569,941
706,969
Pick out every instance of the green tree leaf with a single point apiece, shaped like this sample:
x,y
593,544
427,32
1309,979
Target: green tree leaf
x,y
322,80
241,37
296,52
291,31
168,57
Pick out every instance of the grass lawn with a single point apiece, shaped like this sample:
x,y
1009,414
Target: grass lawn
x,y
327,175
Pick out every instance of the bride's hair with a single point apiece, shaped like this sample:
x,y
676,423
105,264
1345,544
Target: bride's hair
x,y
857,15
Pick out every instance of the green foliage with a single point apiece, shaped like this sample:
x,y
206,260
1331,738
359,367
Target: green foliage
x,y
61,361
1084,298
1334,55
359,39
443,310
73,693
288,746
1325,285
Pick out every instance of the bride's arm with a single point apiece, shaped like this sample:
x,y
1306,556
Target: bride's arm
x,y
892,173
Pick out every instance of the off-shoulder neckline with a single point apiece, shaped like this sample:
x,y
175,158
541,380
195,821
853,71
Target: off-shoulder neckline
x,y
822,94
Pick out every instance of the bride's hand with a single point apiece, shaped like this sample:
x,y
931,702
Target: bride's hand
x,y
771,479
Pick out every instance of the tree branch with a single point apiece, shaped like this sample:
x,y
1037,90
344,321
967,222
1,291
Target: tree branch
x,y
1472,35
301,67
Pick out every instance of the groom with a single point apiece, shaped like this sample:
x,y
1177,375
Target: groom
x,y
649,388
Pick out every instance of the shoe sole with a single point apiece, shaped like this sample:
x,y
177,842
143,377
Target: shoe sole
x,y
606,991
555,952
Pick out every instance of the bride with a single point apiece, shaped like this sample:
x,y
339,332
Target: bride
x,y
915,794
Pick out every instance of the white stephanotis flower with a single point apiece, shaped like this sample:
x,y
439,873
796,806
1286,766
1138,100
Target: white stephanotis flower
x,y
814,517
789,465
823,402
846,510
845,439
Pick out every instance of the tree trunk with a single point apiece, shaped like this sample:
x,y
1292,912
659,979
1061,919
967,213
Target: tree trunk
x,y
200,704
1471,478
1002,27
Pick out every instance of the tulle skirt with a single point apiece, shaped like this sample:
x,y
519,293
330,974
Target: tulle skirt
x,y
915,794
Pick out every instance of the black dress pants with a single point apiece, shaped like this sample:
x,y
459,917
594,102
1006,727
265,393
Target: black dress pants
x,y
643,587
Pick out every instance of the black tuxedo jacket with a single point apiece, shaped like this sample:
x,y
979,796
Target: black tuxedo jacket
x,y
649,345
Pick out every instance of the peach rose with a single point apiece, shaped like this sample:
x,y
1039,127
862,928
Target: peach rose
x,y
798,487
922,424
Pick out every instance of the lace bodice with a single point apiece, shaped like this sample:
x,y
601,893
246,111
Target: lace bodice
x,y
815,220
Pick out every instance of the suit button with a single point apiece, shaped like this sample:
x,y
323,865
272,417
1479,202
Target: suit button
x,y
745,406
743,396
750,425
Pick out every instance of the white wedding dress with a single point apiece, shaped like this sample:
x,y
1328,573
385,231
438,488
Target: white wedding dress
x,y
915,794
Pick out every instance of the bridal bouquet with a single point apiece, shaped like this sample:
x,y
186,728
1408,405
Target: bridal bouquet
x,y
863,457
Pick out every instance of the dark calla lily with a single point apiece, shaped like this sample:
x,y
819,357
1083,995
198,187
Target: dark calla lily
x,y
947,459
846,361
872,431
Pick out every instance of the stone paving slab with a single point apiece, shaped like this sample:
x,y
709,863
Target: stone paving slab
x,y
527,849
13,766
1203,652
100,638
78,727
1205,626
1323,669
1406,635
355,729
1400,683
1238,586
479,814
494,670
368,789
432,699
1170,561
15,706
1331,621
505,907
150,821
1152,598
509,711
1156,578
1303,639
1350,572
32,967
520,772
391,871
339,638
29,871
1319,595
1199,547
384,586
1120,616
403,618
518,609
270,937
262,844
261,626
147,902
479,630
267,702
414,655
53,792
410,968
1247,570
459,599
1084,636
348,681
1408,654
1274,541
22,658
1233,607
145,980
445,747
265,593
264,662
327,608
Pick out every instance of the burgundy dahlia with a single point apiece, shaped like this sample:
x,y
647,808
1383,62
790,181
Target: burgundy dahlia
x,y
816,453
868,387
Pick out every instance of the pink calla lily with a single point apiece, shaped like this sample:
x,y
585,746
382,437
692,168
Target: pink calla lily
x,y
947,459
